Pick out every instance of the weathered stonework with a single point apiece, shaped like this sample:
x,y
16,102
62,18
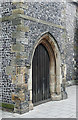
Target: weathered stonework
x,y
18,11
24,27
18,47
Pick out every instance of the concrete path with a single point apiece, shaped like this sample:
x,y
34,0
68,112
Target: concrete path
x,y
53,109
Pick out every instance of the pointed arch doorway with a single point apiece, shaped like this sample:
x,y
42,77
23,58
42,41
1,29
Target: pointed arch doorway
x,y
40,75
54,78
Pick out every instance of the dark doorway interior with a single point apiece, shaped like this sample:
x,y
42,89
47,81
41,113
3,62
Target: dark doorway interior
x,y
40,75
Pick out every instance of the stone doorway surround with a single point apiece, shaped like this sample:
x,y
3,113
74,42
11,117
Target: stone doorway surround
x,y
19,65
20,68
55,67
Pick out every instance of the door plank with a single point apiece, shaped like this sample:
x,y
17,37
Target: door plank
x,y
40,75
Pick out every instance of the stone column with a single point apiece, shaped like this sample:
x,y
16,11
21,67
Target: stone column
x,y
64,70
52,76
64,94
58,74
57,95
18,70
30,88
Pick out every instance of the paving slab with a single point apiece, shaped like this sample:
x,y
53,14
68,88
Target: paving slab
x,y
52,109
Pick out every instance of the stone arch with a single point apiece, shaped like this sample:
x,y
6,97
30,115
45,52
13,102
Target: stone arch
x,y
55,66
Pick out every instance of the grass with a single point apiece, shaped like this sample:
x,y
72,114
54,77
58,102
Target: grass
x,y
7,106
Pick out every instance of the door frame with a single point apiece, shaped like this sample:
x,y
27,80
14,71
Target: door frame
x,y
55,67
38,54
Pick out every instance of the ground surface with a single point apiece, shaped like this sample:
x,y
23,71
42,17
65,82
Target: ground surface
x,y
53,109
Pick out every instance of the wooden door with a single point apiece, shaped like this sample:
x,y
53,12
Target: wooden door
x,y
40,75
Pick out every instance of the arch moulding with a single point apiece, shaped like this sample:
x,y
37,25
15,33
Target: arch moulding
x,y
55,67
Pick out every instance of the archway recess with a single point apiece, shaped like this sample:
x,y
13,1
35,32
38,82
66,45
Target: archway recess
x,y
55,66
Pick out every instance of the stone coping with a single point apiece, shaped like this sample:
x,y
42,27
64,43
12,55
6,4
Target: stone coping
x,y
26,17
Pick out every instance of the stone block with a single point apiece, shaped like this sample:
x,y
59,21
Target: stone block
x,y
58,88
25,41
27,71
17,21
18,35
17,89
14,97
5,18
64,35
18,47
10,70
17,105
25,86
18,1
24,105
22,87
21,70
20,79
21,96
30,106
21,55
17,62
14,81
18,11
21,111
22,28
56,97
18,98
20,5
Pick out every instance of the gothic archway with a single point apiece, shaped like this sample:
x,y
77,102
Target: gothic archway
x,y
40,75
55,66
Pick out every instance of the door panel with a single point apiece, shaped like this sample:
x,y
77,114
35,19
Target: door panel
x,y
40,75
